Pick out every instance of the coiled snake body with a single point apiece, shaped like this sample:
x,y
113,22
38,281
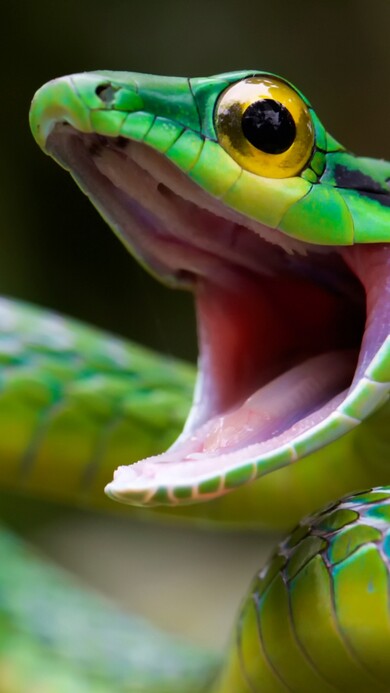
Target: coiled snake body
x,y
228,186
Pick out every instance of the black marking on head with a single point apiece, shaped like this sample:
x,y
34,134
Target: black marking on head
x,y
353,179
356,180
381,198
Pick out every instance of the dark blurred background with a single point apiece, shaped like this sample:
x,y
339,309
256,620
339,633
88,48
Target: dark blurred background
x,y
55,250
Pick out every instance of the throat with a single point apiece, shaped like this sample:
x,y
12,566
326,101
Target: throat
x,y
272,351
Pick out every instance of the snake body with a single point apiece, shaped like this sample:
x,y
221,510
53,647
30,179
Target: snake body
x,y
231,187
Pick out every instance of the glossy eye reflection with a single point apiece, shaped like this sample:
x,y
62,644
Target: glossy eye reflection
x,y
265,126
269,126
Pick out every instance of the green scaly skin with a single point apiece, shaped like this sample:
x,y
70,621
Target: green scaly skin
x,y
71,393
317,617
175,117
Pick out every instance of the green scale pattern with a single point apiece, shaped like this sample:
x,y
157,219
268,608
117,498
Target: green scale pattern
x,y
318,615
317,618
82,397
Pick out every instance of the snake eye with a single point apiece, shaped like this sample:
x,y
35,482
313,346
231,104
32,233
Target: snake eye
x,y
265,126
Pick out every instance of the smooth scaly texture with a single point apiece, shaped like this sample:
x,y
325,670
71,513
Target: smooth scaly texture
x,y
85,122
317,617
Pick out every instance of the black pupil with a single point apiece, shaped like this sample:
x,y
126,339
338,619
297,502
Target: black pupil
x,y
269,126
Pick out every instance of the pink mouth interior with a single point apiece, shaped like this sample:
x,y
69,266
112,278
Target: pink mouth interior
x,y
281,324
265,347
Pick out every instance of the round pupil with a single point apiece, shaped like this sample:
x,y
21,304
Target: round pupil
x,y
269,126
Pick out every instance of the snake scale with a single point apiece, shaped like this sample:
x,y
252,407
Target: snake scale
x,y
229,187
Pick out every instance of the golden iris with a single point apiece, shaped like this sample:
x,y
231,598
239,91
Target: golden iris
x,y
265,126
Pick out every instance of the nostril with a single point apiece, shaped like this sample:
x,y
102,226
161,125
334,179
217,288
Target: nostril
x,y
105,92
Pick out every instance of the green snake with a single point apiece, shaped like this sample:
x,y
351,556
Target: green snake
x,y
229,187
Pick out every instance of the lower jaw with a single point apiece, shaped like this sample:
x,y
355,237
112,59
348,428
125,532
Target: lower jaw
x,y
354,462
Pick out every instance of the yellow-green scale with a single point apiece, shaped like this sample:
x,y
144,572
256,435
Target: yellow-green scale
x,y
363,611
281,645
317,630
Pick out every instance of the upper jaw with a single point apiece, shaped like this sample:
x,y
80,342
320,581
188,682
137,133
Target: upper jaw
x,y
273,315
134,186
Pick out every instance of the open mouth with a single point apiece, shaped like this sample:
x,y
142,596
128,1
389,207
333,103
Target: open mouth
x,y
289,333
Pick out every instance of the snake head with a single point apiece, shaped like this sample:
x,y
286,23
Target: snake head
x,y
230,186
